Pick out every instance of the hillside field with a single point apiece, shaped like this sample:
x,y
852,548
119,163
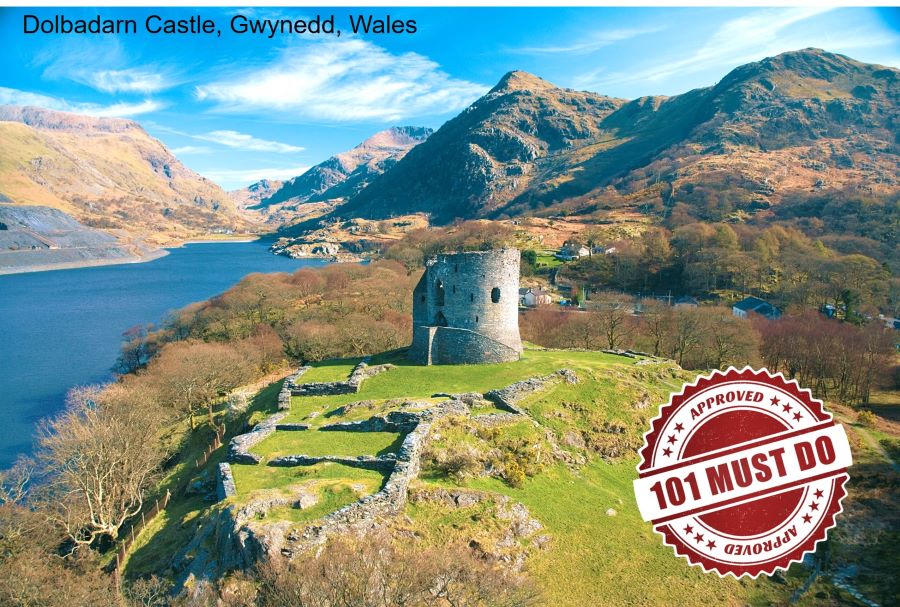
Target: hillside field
x,y
578,454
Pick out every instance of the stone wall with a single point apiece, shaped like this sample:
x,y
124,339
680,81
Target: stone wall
x,y
239,447
382,463
287,388
225,487
361,372
507,398
395,421
243,540
451,346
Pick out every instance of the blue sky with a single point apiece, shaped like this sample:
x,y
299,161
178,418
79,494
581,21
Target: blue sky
x,y
237,108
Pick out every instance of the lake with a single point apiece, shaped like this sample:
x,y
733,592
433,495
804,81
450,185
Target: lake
x,y
63,328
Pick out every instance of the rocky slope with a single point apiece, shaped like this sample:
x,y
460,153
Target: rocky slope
x,y
41,238
488,154
255,193
799,122
107,173
347,173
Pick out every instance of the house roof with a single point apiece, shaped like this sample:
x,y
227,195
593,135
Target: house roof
x,y
760,306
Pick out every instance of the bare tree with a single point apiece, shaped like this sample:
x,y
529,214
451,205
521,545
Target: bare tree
x,y
99,461
192,375
613,315
654,324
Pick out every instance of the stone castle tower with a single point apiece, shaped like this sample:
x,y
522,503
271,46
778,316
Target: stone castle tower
x,y
466,309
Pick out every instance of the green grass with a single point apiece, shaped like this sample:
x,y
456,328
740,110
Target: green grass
x,y
594,559
408,380
318,443
251,480
487,409
338,369
547,260
332,496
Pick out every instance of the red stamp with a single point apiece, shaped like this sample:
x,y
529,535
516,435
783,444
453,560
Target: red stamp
x,y
743,472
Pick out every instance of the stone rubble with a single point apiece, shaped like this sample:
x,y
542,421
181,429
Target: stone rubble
x,y
506,398
243,538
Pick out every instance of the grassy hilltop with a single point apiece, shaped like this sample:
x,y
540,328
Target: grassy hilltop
x,y
570,463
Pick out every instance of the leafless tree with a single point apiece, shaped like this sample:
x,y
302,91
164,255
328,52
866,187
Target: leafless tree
x,y
190,376
99,461
613,315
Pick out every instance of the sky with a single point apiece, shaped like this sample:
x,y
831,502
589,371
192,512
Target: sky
x,y
241,107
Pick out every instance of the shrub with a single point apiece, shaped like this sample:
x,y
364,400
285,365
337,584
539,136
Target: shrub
x,y
867,418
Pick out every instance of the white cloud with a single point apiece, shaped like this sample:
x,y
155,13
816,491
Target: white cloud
x,y
234,139
120,110
747,38
126,81
591,43
104,66
235,178
191,149
344,80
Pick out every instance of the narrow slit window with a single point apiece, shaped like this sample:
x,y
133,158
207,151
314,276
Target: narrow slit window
x,y
495,295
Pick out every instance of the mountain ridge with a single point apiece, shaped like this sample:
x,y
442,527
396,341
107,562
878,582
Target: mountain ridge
x,y
108,173
348,172
530,147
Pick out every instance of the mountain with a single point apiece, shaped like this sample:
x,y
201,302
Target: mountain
x,y
803,121
482,158
255,193
347,173
108,173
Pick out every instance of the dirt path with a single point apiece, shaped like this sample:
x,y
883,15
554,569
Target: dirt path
x,y
870,440
874,444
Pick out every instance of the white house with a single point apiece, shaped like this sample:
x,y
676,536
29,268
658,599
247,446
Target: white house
x,y
536,297
572,250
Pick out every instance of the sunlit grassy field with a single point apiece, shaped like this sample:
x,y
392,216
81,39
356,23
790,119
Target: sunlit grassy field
x,y
317,443
330,370
600,552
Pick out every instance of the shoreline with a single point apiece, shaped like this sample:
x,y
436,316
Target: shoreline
x,y
158,253
213,241
87,263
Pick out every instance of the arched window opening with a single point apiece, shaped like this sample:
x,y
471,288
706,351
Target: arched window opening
x,y
439,293
495,295
440,320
